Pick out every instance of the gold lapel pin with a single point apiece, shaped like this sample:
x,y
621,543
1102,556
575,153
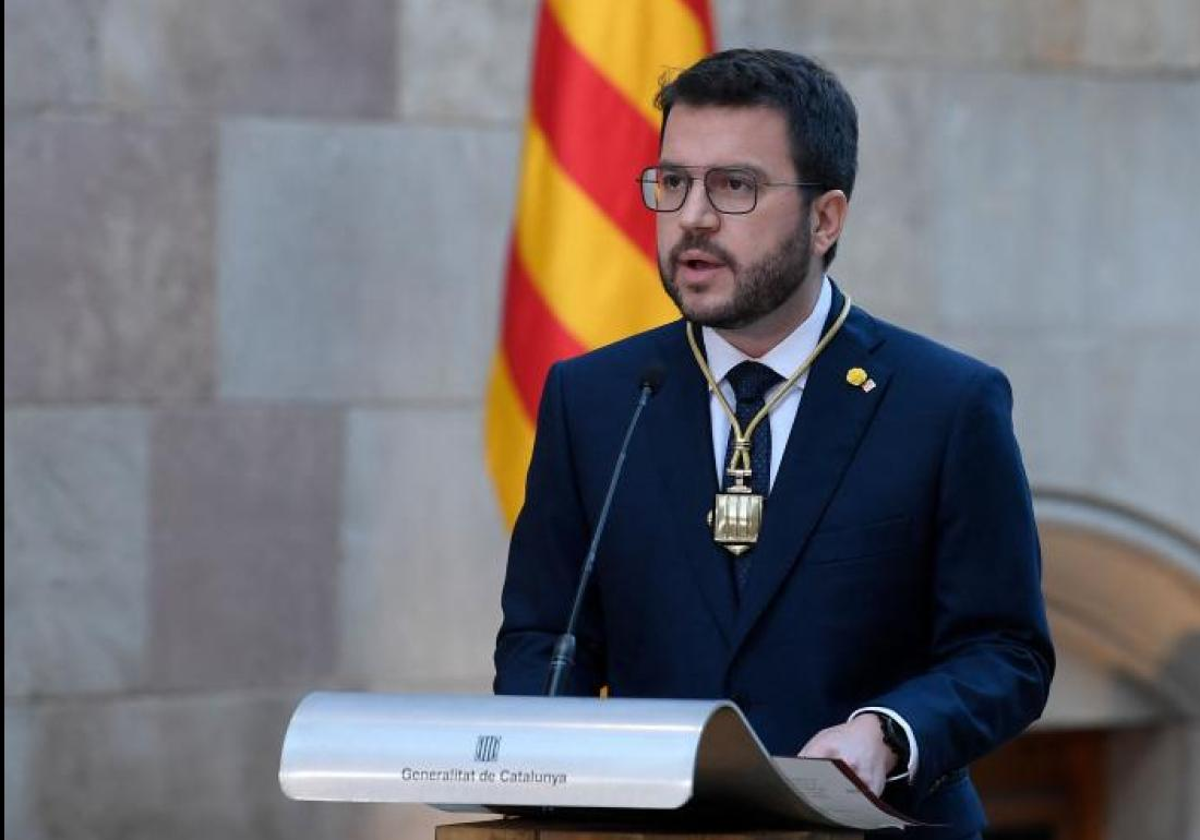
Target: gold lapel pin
x,y
859,379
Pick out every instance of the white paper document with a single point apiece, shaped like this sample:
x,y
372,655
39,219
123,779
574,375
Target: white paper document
x,y
831,788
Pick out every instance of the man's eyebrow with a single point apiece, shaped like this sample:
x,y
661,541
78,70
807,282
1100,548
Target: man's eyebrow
x,y
749,167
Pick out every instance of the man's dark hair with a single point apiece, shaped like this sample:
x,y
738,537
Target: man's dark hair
x,y
822,121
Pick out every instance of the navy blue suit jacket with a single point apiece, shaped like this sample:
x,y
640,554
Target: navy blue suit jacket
x,y
898,564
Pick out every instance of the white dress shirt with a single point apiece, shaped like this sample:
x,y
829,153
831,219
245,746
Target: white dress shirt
x,y
784,358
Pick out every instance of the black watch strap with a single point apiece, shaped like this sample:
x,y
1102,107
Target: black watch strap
x,y
894,739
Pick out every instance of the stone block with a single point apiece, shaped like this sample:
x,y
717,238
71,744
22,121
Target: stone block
x,y
284,57
425,552
361,263
1106,414
49,53
1192,812
1147,770
1182,665
1020,34
1010,227
466,61
75,570
1138,202
108,259
1147,413
1162,34
188,768
883,258
926,31
995,200
19,819
999,200
245,505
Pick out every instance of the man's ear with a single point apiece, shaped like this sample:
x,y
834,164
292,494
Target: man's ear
x,y
827,218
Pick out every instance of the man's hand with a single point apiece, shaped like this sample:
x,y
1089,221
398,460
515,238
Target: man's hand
x,y
859,743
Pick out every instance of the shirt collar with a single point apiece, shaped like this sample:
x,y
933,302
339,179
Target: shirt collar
x,y
785,356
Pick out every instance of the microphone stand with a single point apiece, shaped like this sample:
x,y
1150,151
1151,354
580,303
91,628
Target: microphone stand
x,y
563,658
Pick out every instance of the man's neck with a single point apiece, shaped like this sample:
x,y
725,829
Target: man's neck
x,y
760,337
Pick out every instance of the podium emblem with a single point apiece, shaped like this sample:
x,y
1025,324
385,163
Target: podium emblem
x,y
487,748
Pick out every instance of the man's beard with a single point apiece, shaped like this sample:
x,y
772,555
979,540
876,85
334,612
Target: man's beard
x,y
759,289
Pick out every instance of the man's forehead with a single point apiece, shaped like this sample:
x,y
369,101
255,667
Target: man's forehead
x,y
723,135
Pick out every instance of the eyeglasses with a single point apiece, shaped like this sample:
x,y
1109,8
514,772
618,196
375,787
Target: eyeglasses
x,y
730,189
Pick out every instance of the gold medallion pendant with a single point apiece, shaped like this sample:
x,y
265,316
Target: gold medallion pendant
x,y
737,514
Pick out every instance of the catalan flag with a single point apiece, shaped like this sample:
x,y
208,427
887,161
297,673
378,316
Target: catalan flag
x,y
581,266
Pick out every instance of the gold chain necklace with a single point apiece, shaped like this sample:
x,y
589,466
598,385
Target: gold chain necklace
x,y
736,517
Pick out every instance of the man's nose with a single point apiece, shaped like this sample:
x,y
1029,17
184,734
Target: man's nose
x,y
697,212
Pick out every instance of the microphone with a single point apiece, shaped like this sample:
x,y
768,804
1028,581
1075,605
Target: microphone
x,y
563,658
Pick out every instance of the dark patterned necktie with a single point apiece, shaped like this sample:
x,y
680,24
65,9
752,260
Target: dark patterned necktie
x,y
751,381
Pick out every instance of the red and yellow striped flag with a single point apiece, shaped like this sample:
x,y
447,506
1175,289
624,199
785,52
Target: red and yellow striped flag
x,y
581,270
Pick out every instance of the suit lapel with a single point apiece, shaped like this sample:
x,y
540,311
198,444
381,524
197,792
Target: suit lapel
x,y
832,418
682,436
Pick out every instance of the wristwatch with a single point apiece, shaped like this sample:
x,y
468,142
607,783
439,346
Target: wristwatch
x,y
894,739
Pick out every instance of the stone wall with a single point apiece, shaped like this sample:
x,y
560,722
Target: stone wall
x,y
253,262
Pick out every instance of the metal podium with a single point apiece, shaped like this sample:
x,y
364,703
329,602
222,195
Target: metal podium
x,y
583,767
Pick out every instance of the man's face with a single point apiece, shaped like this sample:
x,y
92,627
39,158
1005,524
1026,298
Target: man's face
x,y
722,270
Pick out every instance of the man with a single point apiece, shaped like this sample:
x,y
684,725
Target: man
x,y
887,609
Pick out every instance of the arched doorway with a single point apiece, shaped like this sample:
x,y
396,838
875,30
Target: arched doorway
x,y
1117,753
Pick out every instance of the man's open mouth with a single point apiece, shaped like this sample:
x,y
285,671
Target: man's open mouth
x,y
700,261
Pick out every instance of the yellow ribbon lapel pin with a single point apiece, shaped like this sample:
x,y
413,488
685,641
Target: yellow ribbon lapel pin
x,y
859,379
